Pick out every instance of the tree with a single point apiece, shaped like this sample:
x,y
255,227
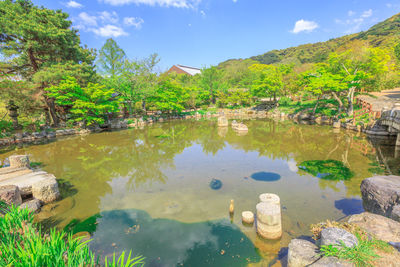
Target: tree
x,y
33,39
321,82
359,68
397,51
169,96
111,59
210,80
89,105
268,82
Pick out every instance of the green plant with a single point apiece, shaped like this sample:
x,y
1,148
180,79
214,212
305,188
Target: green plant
x,y
22,244
363,254
5,127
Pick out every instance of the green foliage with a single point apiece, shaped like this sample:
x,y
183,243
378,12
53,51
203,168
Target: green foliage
x,y
327,169
169,96
397,51
21,244
268,81
111,59
363,254
5,127
89,104
235,98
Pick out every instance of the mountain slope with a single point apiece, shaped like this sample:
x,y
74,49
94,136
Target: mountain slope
x,y
384,34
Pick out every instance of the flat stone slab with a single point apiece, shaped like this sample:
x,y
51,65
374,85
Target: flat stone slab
x,y
9,172
25,181
337,237
381,227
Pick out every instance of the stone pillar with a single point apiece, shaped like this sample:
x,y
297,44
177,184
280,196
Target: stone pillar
x,y
398,140
269,220
223,121
20,161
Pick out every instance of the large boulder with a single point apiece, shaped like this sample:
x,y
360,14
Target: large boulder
x,y
331,262
46,190
302,253
381,227
338,236
10,194
381,194
19,161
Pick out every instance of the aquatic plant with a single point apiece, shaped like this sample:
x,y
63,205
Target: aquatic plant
x,y
22,244
327,169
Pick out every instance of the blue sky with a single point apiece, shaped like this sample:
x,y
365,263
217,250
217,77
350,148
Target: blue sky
x,y
200,33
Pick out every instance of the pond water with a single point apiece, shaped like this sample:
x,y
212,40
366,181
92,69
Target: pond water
x,y
164,191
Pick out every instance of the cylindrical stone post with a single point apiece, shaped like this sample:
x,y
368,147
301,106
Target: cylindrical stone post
x,y
20,161
247,217
223,122
398,140
267,197
269,221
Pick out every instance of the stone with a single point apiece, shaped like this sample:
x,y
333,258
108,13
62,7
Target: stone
x,y
380,194
331,262
11,195
302,253
241,128
46,190
336,124
223,122
337,236
267,197
248,217
269,221
376,225
33,205
19,161
396,213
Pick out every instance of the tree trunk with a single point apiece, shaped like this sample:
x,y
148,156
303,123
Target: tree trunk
x,y
52,111
339,101
350,99
316,105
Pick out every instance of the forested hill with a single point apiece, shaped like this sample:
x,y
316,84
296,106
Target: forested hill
x,y
385,34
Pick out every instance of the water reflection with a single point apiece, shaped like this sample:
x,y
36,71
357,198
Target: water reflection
x,y
349,206
166,169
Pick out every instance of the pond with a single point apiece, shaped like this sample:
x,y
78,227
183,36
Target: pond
x,y
164,190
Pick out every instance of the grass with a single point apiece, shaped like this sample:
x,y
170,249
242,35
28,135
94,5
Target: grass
x,y
22,244
363,254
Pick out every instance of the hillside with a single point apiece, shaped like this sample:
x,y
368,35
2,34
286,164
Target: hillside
x,y
384,34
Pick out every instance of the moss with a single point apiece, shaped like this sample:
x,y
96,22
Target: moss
x,y
327,169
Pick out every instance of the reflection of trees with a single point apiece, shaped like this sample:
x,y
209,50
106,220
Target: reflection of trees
x,y
91,162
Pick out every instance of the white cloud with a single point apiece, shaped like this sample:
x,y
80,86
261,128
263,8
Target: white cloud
x,y
304,26
203,13
367,13
132,21
110,31
354,24
73,4
163,3
109,17
87,19
351,13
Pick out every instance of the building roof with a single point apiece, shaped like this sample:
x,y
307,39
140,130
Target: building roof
x,y
190,70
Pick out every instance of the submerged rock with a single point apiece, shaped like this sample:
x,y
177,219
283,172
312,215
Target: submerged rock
x,y
215,184
302,253
331,262
33,205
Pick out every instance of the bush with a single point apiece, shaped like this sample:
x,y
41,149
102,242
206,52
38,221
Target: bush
x,y
22,244
5,127
285,101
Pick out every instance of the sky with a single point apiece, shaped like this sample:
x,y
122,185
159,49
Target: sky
x,y
200,33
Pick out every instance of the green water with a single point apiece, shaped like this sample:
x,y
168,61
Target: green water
x,y
152,189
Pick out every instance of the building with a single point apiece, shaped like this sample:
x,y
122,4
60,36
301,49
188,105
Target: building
x,y
184,69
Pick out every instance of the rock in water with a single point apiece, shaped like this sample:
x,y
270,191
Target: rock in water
x,y
10,194
337,236
248,217
381,194
381,227
302,253
331,262
46,190
215,184
20,161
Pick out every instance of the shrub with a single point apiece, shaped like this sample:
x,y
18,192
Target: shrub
x,y
5,127
22,244
285,101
